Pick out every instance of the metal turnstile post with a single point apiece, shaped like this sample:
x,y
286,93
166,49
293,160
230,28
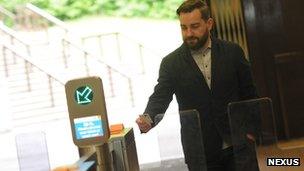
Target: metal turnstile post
x,y
104,160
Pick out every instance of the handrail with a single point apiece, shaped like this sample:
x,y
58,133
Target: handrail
x,y
47,16
28,61
117,34
119,71
7,12
62,25
109,68
13,34
121,34
99,34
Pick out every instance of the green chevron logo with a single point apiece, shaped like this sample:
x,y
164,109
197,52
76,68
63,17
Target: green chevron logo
x,y
83,95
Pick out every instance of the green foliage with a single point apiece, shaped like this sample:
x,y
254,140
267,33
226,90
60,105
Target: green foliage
x,y
141,8
70,9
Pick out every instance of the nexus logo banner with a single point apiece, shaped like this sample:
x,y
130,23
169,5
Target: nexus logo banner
x,y
283,162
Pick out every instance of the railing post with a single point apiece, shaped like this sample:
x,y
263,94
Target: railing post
x,y
82,40
4,61
86,63
27,74
100,46
28,50
141,59
51,91
46,30
118,46
66,32
64,53
27,21
14,59
111,81
12,42
131,92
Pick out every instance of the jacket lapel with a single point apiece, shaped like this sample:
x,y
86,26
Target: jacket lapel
x,y
215,63
186,54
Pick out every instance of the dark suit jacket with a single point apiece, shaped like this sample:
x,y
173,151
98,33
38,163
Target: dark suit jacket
x,y
231,80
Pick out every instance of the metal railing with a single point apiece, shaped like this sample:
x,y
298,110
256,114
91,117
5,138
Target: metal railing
x,y
99,38
30,18
14,37
110,69
118,36
48,17
29,63
4,12
67,43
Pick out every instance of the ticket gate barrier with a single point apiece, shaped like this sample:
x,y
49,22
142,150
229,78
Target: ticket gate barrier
x,y
122,150
87,111
265,152
89,125
188,126
174,131
88,117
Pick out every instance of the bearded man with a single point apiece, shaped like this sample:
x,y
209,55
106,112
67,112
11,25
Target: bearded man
x,y
205,74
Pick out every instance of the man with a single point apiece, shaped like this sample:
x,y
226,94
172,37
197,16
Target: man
x,y
205,74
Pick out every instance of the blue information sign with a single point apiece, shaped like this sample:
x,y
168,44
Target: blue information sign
x,y
88,127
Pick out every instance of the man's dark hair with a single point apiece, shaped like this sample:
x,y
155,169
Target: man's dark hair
x,y
190,5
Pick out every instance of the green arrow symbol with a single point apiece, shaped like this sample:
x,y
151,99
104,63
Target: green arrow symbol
x,y
83,96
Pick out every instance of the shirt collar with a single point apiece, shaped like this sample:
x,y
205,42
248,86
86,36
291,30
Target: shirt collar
x,y
202,50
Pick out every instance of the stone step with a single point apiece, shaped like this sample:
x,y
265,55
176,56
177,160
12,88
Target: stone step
x,y
31,106
38,93
32,100
36,112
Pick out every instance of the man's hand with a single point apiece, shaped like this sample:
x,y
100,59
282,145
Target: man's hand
x,y
67,168
143,125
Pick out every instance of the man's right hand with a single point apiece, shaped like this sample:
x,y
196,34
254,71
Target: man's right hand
x,y
143,125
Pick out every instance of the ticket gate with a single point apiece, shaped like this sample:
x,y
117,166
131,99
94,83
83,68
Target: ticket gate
x,y
250,118
118,153
89,126
122,153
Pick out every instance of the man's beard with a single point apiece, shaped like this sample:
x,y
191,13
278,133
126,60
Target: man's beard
x,y
201,41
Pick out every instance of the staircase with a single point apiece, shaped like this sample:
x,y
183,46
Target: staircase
x,y
36,65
